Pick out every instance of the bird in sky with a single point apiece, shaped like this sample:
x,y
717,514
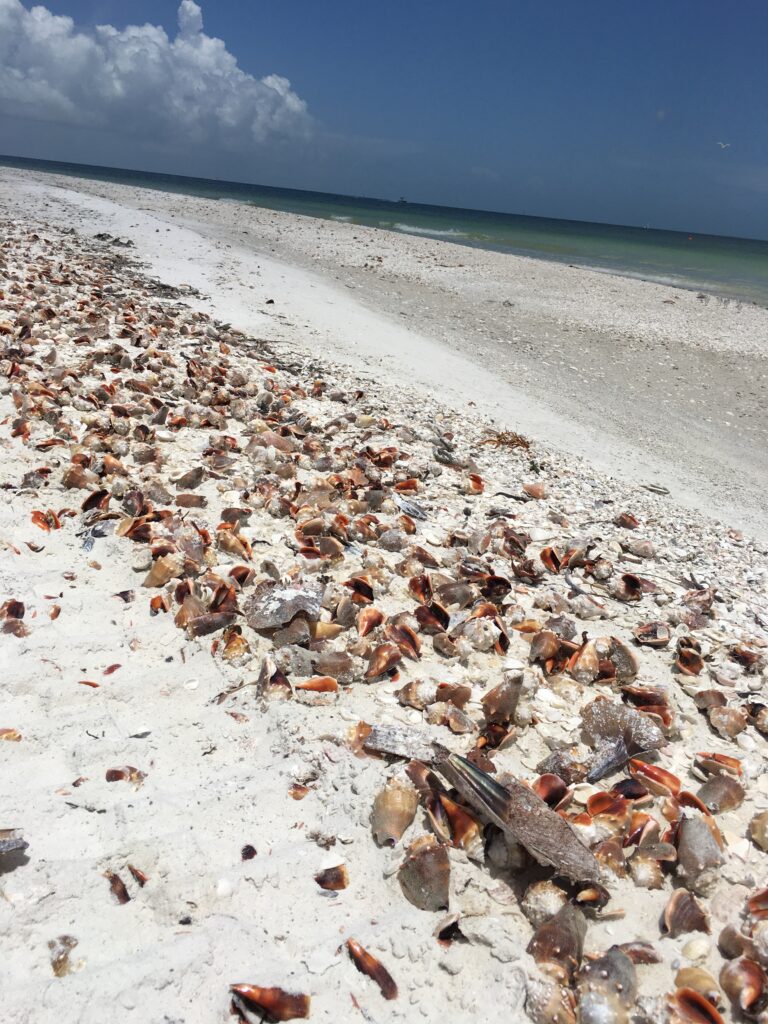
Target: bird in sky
x,y
723,145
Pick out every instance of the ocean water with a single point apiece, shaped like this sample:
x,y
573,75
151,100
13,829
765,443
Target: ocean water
x,y
728,268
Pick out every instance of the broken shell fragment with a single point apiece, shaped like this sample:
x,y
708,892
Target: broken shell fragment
x,y
758,830
393,811
366,963
652,634
276,1003
333,879
425,873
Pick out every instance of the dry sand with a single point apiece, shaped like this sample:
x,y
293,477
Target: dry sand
x,y
218,775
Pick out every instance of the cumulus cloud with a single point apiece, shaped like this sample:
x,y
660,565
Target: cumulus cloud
x,y
138,81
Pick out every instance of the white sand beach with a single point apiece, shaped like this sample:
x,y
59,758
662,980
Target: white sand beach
x,y
242,404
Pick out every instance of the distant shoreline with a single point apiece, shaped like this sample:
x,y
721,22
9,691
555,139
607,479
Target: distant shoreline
x,y
725,268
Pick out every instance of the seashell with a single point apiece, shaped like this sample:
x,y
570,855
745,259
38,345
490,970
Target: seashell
x,y
126,773
652,634
698,855
757,904
405,639
333,879
550,788
584,665
700,981
729,722
624,660
683,914
541,901
557,945
442,644
548,1001
646,869
318,684
418,694
60,950
383,659
721,793
466,832
689,662
687,1006
627,587
627,521
500,703
656,780
758,830
544,646
394,808
368,620
163,570
610,855
607,988
420,588
536,490
746,985
274,603
522,815
716,764
275,1003
425,874
640,952
366,963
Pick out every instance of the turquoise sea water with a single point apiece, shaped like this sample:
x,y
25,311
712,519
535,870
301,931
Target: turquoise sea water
x,y
735,268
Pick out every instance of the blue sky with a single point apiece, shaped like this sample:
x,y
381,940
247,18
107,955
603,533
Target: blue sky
x,y
595,110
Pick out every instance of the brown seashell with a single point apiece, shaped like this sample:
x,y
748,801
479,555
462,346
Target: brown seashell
x,y
624,660
551,559
610,854
757,904
698,854
721,793
557,945
10,735
689,662
333,879
432,618
716,764
419,694
607,988
652,634
584,665
536,490
383,659
500,703
758,830
276,1003
405,639
117,887
125,774
656,780
628,588
729,722
627,521
544,645
362,591
550,788
425,873
466,832
700,981
687,1006
163,570
394,808
420,588
369,619
368,964
325,630
746,985
683,914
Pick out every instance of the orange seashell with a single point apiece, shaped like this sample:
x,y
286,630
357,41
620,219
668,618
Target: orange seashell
x,y
683,914
407,486
369,619
746,985
551,559
536,490
407,642
362,591
656,780
276,1003
319,684
366,963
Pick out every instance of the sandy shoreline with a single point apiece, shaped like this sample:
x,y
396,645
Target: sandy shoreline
x,y
648,382
156,743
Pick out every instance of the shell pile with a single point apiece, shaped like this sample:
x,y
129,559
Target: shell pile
x,y
543,698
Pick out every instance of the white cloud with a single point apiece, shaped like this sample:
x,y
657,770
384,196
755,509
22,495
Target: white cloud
x,y
141,83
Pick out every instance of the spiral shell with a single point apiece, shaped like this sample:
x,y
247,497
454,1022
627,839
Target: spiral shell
x,y
393,811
